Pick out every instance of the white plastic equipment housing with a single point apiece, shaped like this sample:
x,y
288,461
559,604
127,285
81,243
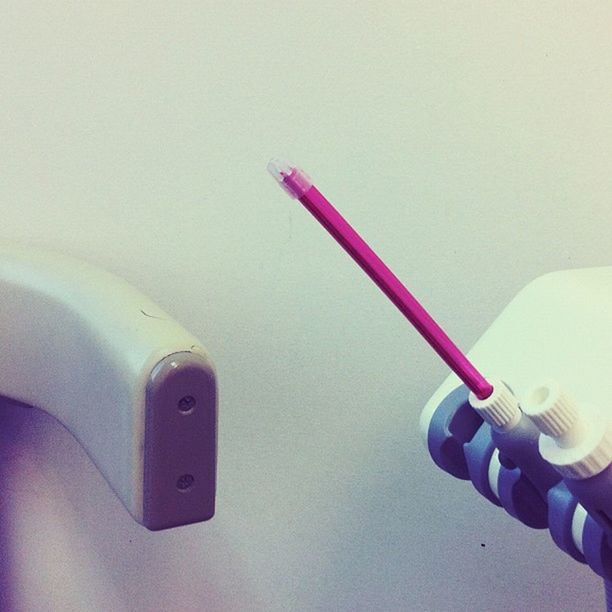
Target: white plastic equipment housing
x,y
84,346
559,326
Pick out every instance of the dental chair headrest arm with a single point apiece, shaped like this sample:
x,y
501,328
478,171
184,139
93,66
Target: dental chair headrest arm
x,y
135,388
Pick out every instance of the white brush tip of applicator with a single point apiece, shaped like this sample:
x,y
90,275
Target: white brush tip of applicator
x,y
280,169
293,180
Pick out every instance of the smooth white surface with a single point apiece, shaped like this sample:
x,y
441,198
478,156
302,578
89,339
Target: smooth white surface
x,y
470,144
493,473
578,520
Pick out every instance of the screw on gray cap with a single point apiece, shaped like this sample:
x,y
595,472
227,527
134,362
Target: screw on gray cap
x,y
180,450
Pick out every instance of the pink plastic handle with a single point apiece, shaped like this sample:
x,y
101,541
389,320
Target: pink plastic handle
x,y
297,184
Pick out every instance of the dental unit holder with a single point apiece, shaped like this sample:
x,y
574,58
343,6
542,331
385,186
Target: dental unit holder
x,y
507,469
532,449
546,460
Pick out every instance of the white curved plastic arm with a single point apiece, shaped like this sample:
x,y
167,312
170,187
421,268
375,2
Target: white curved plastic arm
x,y
133,386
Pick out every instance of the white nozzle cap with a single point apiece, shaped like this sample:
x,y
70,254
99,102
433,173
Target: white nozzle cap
x,y
293,180
279,169
577,441
501,409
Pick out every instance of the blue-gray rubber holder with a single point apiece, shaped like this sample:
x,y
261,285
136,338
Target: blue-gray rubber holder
x,y
521,499
594,494
596,550
561,508
478,452
519,447
453,424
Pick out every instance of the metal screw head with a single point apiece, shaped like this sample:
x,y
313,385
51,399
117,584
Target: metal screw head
x,y
184,482
186,404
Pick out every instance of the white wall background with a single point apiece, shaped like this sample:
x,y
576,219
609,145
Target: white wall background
x,y
469,142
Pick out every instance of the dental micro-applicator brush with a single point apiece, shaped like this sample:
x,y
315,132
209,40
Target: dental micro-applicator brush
x,y
298,185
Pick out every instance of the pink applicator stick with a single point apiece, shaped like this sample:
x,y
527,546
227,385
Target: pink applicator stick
x,y
297,184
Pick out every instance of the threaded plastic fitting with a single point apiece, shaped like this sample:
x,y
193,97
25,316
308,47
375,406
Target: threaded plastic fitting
x,y
554,412
576,440
501,409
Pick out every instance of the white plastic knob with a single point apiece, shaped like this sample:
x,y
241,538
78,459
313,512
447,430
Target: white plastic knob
x,y
576,440
501,409
554,412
